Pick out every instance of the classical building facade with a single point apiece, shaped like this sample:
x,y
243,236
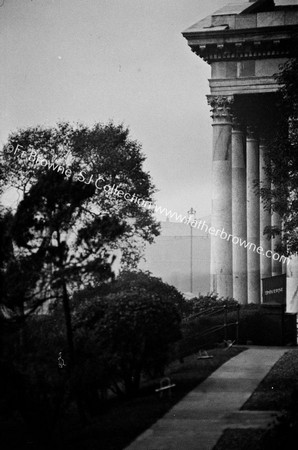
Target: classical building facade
x,y
245,43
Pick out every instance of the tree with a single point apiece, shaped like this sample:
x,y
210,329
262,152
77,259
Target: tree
x,y
134,319
65,227
282,161
51,216
100,156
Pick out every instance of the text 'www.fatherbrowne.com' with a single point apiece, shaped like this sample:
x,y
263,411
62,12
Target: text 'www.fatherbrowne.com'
x,y
57,165
199,224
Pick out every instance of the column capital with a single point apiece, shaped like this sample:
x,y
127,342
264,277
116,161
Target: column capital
x,y
237,123
221,106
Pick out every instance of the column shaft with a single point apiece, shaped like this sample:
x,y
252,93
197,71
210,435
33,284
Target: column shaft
x,y
276,265
253,218
221,249
239,214
292,285
265,215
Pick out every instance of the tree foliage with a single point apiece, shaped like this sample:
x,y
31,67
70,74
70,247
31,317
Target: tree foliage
x,y
65,227
282,161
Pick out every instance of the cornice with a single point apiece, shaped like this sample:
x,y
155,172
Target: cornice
x,y
286,30
256,49
255,43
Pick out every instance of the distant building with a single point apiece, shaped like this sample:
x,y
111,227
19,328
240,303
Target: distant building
x,y
170,257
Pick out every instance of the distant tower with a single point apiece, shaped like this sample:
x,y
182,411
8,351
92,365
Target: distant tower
x,y
191,214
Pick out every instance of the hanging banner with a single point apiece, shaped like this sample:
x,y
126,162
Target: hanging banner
x,y
274,289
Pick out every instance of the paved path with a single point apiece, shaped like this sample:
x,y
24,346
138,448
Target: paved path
x,y
198,420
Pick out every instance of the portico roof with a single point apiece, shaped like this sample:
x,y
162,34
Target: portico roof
x,y
266,28
235,8
248,15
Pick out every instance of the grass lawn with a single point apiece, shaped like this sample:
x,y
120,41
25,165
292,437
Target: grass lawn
x,y
122,421
275,392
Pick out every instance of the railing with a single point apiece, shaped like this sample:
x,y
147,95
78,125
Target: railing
x,y
215,311
196,340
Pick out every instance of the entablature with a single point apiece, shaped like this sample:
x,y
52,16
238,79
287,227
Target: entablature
x,y
248,30
249,85
253,44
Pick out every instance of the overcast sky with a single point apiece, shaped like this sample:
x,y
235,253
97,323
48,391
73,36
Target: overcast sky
x,y
125,60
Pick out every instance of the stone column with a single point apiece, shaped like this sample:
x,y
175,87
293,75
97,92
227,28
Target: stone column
x,y
239,212
265,214
221,247
284,265
292,285
276,265
253,217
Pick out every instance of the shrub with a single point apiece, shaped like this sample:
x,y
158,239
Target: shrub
x,y
205,303
133,321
